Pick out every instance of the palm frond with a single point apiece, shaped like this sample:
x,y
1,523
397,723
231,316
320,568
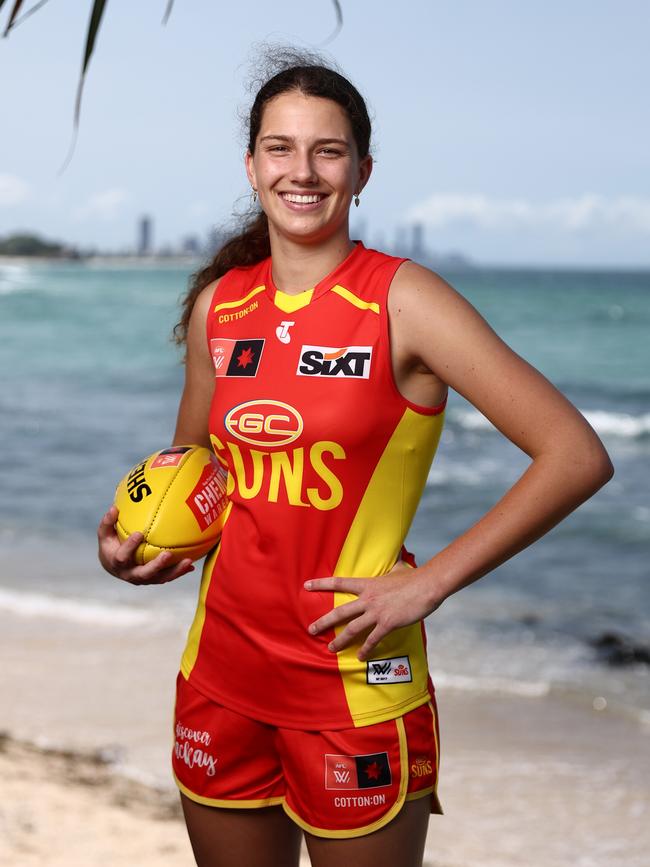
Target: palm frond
x,y
12,16
93,28
168,11
29,12
339,19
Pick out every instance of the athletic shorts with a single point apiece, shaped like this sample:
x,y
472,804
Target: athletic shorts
x,y
342,783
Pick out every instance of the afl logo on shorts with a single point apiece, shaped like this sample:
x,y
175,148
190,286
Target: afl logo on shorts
x,y
350,362
264,422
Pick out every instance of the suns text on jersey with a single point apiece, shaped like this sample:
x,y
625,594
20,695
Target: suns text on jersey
x,y
254,473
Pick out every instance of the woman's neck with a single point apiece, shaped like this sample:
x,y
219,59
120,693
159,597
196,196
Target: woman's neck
x,y
297,267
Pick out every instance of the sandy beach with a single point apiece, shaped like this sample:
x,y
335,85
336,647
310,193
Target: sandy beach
x,y
85,779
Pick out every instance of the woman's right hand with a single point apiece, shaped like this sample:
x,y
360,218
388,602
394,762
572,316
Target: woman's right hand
x,y
118,557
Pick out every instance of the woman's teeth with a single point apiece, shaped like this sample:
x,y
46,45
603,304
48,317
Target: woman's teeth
x,y
301,200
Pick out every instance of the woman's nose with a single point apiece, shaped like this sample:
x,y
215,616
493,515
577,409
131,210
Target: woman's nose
x,y
302,169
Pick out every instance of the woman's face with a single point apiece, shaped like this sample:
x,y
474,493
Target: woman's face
x,y
306,167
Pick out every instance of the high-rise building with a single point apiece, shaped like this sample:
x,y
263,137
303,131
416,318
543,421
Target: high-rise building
x,y
191,245
417,242
145,231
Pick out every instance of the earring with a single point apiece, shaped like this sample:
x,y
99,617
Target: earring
x,y
356,200
253,195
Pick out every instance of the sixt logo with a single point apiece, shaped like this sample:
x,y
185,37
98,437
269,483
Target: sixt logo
x,y
264,422
343,362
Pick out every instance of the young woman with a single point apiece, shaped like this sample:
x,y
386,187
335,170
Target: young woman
x,y
318,371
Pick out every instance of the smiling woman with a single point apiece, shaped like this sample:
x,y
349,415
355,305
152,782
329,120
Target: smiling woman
x,y
305,180
318,372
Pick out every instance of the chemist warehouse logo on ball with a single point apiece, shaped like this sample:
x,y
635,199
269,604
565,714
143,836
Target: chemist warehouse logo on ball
x,y
347,362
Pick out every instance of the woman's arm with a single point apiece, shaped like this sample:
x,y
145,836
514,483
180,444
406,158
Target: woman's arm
x,y
191,428
443,332
194,407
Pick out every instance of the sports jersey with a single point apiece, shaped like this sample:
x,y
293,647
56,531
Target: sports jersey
x,y
326,464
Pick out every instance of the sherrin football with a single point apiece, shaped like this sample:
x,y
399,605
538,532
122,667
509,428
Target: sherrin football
x,y
177,499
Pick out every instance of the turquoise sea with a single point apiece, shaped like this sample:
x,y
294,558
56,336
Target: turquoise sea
x,y
89,383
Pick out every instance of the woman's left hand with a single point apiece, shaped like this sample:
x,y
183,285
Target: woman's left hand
x,y
388,602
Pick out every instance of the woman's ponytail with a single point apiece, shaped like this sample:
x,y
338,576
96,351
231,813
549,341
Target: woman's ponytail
x,y
249,246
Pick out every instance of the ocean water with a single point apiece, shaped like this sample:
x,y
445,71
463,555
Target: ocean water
x,y
89,383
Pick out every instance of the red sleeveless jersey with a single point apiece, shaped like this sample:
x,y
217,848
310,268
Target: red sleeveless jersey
x,y
326,464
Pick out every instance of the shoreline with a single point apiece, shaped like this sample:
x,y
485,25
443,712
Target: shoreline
x,y
106,260
444,262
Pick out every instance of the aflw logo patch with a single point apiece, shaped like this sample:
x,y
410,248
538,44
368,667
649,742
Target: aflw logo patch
x,y
347,361
357,772
396,670
236,357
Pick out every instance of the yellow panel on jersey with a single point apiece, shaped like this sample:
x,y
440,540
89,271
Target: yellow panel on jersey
x,y
291,303
371,549
194,637
354,299
229,304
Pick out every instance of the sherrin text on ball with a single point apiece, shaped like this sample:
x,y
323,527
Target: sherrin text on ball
x,y
177,499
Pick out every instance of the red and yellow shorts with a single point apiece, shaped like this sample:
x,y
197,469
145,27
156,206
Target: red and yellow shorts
x,y
342,783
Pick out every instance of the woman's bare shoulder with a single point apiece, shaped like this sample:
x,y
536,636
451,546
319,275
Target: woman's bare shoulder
x,y
428,312
415,285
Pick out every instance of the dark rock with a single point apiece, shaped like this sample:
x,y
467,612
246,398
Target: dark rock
x,y
615,649
530,619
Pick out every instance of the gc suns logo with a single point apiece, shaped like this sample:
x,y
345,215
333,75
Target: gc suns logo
x,y
349,362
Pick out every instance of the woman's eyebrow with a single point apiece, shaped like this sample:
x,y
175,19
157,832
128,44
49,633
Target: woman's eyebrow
x,y
319,141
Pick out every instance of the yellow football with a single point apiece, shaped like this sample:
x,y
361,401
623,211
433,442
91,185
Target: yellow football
x,y
177,499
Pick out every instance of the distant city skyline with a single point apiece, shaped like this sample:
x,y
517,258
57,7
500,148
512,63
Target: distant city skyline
x,y
408,241
513,133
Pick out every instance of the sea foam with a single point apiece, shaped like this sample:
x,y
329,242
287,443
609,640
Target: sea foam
x,y
87,613
618,424
487,684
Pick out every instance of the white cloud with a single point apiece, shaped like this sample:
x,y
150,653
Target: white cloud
x,y
105,205
582,213
13,190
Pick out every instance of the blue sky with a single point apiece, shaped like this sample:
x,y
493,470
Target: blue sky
x,y
517,132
